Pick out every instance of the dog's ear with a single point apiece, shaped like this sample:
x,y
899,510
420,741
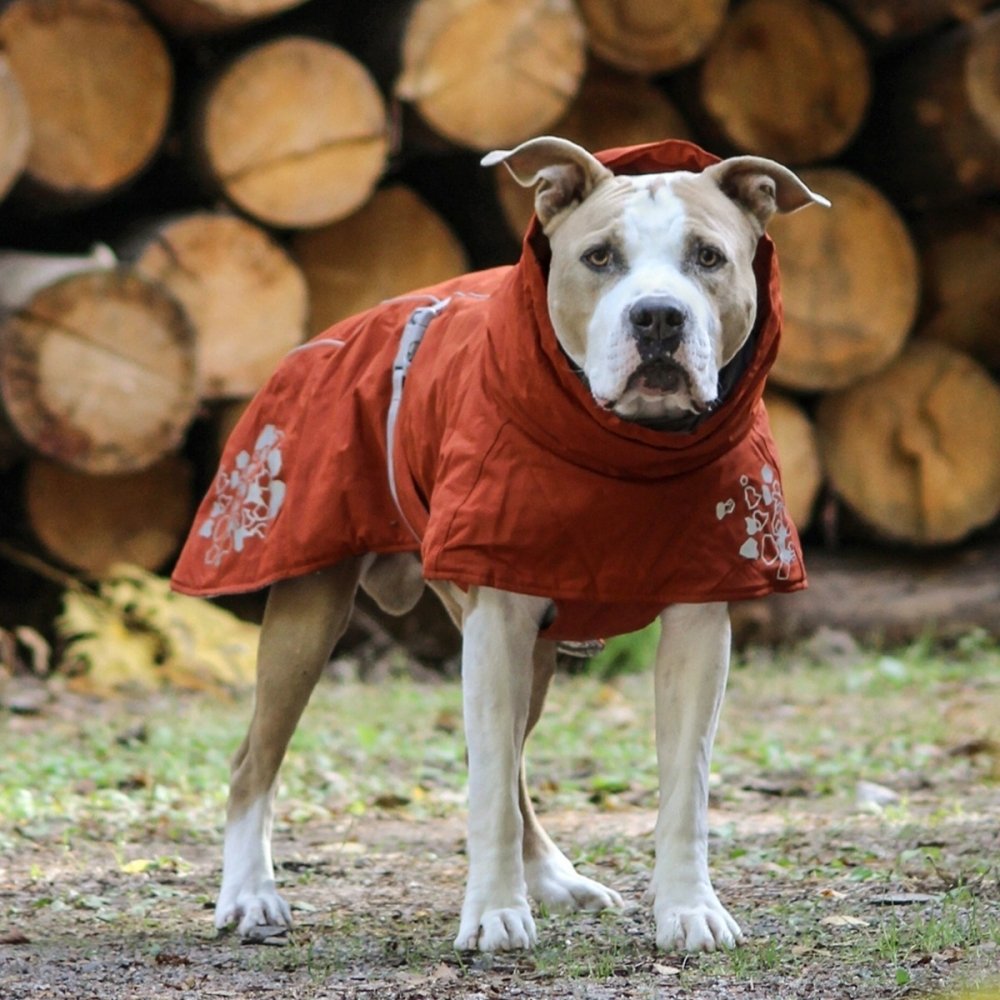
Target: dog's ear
x,y
564,172
762,187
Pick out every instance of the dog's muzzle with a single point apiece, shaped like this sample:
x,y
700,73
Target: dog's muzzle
x,y
658,324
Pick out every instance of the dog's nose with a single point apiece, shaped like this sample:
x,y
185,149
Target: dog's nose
x,y
658,323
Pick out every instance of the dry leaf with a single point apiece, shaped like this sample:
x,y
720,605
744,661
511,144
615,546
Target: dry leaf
x,y
844,920
135,634
390,800
440,974
974,747
39,652
138,866
868,794
447,721
666,970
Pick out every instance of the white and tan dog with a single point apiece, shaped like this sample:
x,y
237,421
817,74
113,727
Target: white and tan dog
x,y
652,294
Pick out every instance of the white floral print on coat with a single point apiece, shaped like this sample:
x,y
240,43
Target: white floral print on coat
x,y
768,534
247,498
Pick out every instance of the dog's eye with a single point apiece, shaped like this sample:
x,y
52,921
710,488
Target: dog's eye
x,y
599,258
710,258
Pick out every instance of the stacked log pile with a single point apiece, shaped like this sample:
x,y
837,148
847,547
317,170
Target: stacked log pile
x,y
190,188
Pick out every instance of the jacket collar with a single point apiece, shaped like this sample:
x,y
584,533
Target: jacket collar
x,y
535,384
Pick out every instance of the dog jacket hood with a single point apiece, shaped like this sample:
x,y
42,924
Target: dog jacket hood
x,y
506,472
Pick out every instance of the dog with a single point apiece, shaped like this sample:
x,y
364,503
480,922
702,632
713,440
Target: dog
x,y
564,449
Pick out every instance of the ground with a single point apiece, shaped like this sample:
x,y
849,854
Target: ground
x,y
854,834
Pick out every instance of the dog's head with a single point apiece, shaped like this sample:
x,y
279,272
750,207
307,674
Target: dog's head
x,y
651,288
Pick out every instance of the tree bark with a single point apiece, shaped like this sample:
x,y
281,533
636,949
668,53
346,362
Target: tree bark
x,y
881,597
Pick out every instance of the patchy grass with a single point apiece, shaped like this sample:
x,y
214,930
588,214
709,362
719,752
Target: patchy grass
x,y
111,813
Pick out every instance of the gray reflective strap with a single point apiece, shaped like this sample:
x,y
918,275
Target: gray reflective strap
x,y
321,342
582,650
413,333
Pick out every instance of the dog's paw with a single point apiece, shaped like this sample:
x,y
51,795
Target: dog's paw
x,y
252,909
554,882
701,925
504,929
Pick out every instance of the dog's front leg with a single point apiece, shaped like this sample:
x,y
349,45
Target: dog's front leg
x,y
692,664
499,632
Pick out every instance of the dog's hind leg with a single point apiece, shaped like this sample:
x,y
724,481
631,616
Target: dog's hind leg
x,y
303,620
551,877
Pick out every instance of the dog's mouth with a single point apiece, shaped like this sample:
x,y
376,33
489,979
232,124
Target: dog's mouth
x,y
654,382
659,378
650,387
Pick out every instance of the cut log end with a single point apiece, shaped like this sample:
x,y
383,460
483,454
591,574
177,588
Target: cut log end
x,y
850,284
15,128
98,371
895,20
91,132
612,109
294,132
485,74
982,73
796,102
93,522
914,450
933,137
245,297
648,36
394,244
960,258
798,454
205,17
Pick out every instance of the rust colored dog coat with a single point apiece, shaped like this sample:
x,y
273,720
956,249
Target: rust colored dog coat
x,y
503,470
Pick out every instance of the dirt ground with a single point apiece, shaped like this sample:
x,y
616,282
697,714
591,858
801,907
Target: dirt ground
x,y
836,902
377,903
